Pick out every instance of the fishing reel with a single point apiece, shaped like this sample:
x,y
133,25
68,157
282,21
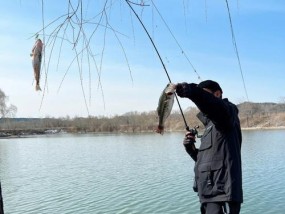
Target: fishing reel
x,y
193,133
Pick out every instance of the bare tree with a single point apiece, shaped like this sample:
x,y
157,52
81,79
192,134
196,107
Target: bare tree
x,y
5,109
79,30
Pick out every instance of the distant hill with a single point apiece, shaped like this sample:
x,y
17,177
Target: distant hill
x,y
253,108
252,115
261,115
255,115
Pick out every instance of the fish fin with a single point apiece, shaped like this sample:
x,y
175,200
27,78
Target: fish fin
x,y
38,88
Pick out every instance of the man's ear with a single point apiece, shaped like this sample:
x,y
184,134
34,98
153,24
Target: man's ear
x,y
218,93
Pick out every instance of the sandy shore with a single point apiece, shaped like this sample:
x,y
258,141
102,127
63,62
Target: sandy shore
x,y
260,128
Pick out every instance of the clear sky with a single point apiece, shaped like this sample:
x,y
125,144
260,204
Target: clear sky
x,y
99,81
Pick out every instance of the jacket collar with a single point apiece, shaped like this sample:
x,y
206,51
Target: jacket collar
x,y
203,118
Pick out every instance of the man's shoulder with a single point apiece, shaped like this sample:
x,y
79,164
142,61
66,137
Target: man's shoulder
x,y
226,100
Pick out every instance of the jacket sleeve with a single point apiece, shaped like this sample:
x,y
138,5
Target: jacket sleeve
x,y
220,111
192,151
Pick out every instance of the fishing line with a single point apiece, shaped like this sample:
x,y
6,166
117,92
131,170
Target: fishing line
x,y
181,49
186,126
44,63
236,49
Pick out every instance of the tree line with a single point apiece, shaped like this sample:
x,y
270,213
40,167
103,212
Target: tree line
x,y
252,115
130,122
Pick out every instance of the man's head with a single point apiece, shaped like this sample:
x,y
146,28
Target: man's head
x,y
211,87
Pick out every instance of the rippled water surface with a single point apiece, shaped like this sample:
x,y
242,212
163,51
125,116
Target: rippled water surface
x,y
142,173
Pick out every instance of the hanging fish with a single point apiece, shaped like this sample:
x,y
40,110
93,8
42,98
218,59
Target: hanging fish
x,y
165,105
37,60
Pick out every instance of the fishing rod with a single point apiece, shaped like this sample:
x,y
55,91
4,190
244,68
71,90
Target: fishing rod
x,y
180,47
185,123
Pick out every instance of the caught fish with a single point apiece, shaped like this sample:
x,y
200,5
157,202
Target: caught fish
x,y
165,105
36,61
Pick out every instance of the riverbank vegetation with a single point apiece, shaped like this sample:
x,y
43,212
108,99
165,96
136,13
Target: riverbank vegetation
x,y
252,115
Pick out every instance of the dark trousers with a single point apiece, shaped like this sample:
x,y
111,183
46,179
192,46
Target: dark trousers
x,y
220,208
1,202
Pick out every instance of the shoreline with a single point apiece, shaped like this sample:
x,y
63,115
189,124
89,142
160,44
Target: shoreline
x,y
7,134
265,128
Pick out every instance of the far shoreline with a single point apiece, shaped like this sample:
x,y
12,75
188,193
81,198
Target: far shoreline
x,y
8,134
263,128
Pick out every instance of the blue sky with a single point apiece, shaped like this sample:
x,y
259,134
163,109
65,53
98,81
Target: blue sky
x,y
201,28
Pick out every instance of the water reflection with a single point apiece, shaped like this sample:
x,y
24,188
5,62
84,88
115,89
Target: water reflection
x,y
145,173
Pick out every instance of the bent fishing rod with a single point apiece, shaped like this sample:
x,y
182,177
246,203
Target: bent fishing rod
x,y
185,123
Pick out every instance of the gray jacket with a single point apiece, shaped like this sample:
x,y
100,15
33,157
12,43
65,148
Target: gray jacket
x,y
218,169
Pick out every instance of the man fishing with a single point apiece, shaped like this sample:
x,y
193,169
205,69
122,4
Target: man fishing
x,y
218,170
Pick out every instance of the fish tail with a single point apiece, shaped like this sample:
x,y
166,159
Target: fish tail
x,y
38,88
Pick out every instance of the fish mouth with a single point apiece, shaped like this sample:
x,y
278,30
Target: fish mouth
x,y
170,89
169,93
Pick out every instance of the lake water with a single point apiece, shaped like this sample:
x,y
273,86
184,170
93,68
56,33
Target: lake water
x,y
129,174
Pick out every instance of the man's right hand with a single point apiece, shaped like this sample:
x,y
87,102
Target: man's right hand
x,y
189,138
189,145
